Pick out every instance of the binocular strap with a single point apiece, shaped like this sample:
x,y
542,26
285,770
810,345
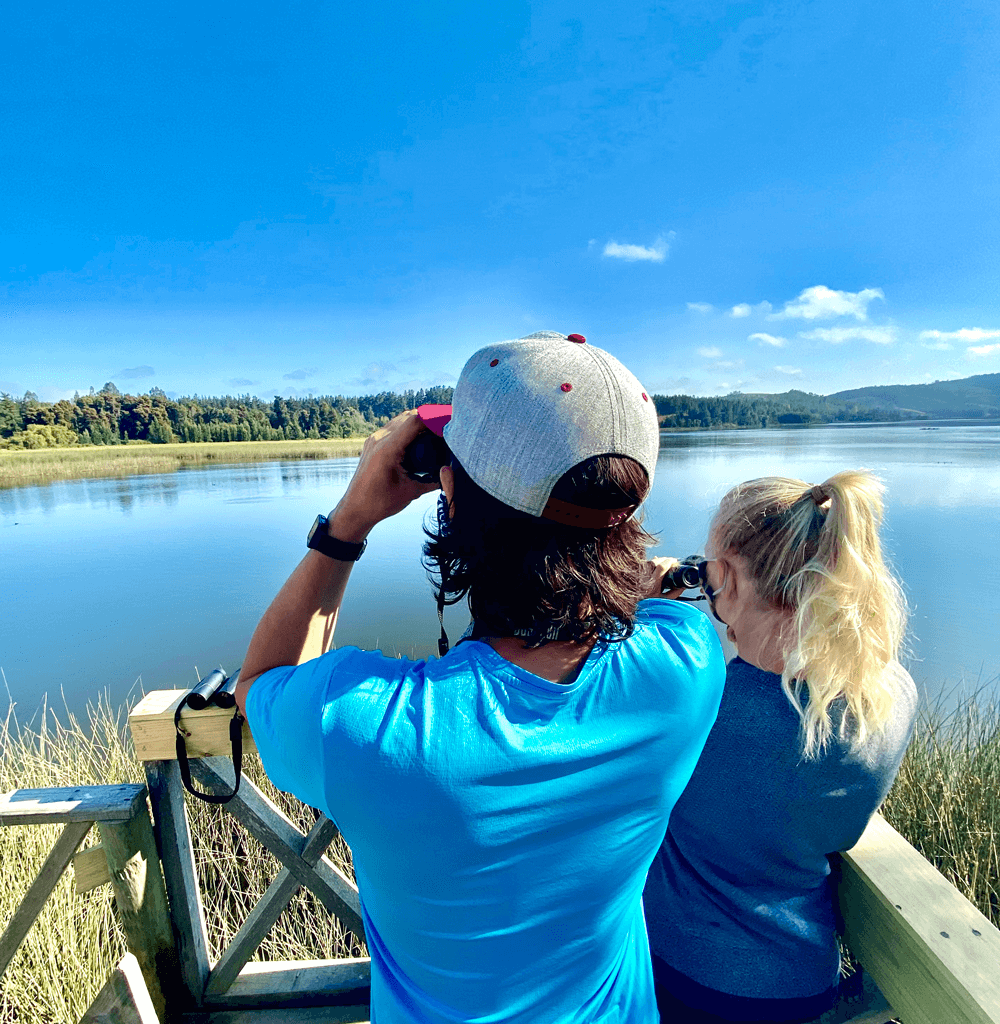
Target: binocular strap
x,y
236,743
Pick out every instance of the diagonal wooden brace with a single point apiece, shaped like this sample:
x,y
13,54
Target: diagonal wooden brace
x,y
269,826
267,911
51,871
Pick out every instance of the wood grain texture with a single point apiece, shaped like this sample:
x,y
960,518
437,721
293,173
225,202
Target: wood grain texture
x,y
71,803
141,899
124,999
90,869
206,732
269,825
267,911
306,1015
301,983
38,892
932,953
166,793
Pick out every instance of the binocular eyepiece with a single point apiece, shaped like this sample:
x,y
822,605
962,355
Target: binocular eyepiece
x,y
685,576
424,457
216,688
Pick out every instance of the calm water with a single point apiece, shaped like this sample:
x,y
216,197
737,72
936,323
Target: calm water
x,y
135,584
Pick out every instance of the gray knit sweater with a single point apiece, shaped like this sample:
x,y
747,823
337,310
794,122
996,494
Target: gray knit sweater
x,y
739,897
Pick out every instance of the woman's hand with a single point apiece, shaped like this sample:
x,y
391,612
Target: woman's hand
x,y
658,568
380,487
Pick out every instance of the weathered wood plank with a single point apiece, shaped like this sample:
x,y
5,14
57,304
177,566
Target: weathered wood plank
x,y
90,869
166,793
268,909
141,899
266,823
207,732
38,892
932,953
299,983
124,999
302,1015
71,803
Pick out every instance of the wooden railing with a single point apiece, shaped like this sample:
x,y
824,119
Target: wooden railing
x,y
127,858
935,957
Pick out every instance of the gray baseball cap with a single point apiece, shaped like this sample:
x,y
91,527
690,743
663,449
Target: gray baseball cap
x,y
525,412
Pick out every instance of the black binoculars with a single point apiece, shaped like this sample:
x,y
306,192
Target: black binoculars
x,y
685,576
424,457
216,688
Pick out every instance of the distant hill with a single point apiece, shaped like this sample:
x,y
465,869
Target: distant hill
x,y
969,397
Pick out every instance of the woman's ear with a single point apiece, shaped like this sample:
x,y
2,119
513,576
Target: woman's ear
x,y
448,483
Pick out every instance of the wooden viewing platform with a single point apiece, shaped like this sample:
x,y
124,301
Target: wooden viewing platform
x,y
932,954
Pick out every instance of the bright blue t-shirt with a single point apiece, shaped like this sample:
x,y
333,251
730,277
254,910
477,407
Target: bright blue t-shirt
x,y
501,825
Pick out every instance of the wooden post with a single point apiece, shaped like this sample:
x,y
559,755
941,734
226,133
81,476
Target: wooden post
x,y
124,999
166,793
134,866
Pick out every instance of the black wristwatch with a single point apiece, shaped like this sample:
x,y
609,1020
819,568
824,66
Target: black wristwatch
x,y
342,550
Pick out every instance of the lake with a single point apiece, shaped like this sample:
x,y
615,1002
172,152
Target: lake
x,y
138,584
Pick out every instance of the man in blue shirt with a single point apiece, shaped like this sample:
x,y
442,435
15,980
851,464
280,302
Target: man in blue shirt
x,y
503,802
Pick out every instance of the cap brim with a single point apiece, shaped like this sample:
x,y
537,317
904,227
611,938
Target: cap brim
x,y
434,417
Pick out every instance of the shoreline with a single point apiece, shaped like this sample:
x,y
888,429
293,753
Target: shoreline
x,y
36,467
46,465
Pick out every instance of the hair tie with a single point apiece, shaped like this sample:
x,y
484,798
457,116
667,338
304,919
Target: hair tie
x,y
819,495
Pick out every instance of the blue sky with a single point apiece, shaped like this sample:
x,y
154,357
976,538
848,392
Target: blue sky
x,y
344,198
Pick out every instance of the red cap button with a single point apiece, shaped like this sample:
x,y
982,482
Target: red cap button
x,y
578,338
566,387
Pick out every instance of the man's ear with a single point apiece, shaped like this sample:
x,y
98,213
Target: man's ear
x,y
448,483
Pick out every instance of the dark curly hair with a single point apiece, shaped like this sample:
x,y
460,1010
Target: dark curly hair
x,y
539,579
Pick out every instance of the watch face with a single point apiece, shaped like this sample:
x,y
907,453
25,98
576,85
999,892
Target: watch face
x,y
319,524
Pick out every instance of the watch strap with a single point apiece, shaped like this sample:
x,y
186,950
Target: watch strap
x,y
320,540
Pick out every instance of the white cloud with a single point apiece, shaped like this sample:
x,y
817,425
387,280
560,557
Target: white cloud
x,y
700,307
838,335
965,334
727,364
822,303
768,339
791,371
940,346
710,352
655,253
744,309
982,350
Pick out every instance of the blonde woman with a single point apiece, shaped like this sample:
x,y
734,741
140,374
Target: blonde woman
x,y
816,714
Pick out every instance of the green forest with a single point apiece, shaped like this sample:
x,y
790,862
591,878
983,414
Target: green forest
x,y
108,417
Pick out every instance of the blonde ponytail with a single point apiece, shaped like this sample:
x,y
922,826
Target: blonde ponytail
x,y
815,550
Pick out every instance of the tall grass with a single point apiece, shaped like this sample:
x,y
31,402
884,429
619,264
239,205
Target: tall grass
x,y
946,798
43,465
946,802
76,942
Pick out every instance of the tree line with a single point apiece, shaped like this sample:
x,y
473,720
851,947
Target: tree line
x,y
739,410
108,417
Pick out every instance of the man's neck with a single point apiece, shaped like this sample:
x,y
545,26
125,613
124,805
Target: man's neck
x,y
558,661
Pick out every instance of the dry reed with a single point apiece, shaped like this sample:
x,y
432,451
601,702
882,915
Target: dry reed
x,y
43,465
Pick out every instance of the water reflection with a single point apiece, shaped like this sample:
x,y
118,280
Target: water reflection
x,y
160,574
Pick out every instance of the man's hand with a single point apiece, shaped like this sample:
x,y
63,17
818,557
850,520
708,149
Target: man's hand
x,y
658,568
300,623
380,487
